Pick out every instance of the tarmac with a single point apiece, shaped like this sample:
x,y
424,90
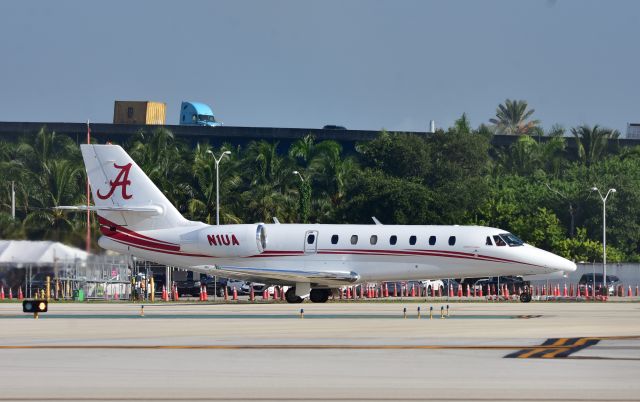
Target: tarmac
x,y
334,351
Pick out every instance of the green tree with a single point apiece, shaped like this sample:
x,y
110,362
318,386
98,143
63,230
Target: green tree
x,y
592,142
512,118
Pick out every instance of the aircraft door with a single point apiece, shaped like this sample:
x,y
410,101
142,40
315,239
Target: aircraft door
x,y
311,242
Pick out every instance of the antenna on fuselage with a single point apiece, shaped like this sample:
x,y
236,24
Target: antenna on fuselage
x,y
376,221
276,221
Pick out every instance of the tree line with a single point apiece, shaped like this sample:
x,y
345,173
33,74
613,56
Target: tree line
x,y
537,188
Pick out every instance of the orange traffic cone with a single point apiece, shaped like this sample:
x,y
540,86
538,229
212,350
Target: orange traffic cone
x,y
413,291
386,290
1,292
628,293
506,291
348,292
395,290
235,294
252,296
116,296
636,290
469,291
480,291
226,293
565,290
11,293
265,294
20,295
165,297
450,290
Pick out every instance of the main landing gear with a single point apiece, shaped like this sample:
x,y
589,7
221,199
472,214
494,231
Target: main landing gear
x,y
319,295
316,295
290,296
525,297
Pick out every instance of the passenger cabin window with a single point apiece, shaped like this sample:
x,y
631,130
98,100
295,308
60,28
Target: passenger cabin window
x,y
373,240
499,241
311,239
413,240
488,242
334,239
393,240
354,239
432,240
452,240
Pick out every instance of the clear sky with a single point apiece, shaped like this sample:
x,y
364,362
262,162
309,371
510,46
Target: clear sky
x,y
361,64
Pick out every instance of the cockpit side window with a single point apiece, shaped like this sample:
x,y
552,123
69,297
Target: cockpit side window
x,y
488,242
499,241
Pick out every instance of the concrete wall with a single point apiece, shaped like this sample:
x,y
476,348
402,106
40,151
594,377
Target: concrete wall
x,y
629,274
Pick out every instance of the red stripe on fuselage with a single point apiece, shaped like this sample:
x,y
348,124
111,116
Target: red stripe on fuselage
x,y
130,232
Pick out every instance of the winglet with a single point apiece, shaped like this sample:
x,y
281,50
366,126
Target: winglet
x,y
276,221
376,221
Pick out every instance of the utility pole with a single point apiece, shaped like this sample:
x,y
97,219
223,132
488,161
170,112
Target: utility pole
x,y
13,200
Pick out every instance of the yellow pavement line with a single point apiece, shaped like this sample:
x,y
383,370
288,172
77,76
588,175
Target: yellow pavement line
x,y
538,349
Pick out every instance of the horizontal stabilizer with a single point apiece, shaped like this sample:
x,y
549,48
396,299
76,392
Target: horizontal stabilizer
x,y
290,275
148,210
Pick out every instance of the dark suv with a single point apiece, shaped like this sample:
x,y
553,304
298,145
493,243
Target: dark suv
x,y
586,280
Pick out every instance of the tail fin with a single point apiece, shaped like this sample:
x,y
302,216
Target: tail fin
x,y
123,194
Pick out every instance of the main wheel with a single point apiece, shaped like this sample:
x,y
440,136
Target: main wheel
x,y
290,296
319,295
525,297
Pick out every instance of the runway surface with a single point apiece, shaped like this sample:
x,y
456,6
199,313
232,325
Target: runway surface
x,y
337,352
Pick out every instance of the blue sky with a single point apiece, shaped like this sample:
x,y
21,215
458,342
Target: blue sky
x,y
361,64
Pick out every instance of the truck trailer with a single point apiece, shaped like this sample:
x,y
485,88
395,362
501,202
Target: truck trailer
x,y
139,112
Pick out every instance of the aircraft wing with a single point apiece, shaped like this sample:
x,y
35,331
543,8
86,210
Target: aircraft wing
x,y
289,275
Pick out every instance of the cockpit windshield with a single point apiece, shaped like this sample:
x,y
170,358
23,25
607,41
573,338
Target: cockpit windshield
x,y
511,239
205,117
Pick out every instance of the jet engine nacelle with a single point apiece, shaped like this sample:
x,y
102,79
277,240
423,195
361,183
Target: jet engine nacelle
x,y
226,240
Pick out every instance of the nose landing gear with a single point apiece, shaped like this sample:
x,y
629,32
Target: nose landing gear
x,y
525,297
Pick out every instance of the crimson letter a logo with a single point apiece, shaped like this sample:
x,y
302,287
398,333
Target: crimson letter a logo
x,y
122,180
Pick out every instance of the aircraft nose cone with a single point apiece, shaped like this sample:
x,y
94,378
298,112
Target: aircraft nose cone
x,y
563,264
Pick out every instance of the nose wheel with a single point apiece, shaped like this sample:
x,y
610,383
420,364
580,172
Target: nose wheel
x,y
525,297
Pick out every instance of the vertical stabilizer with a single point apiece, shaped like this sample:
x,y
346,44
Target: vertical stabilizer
x,y
123,194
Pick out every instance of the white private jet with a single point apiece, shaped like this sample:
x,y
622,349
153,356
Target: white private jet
x,y
314,259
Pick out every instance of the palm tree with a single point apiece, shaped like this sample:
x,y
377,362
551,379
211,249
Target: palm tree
x,y
592,142
462,125
511,118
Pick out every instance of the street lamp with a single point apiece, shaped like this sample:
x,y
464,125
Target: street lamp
x,y
299,175
218,182
604,236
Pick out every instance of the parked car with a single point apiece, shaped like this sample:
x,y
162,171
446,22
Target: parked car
x,y
436,285
496,284
586,280
333,127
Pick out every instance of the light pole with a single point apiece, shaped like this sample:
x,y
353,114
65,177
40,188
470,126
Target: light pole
x,y
299,175
218,182
604,237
